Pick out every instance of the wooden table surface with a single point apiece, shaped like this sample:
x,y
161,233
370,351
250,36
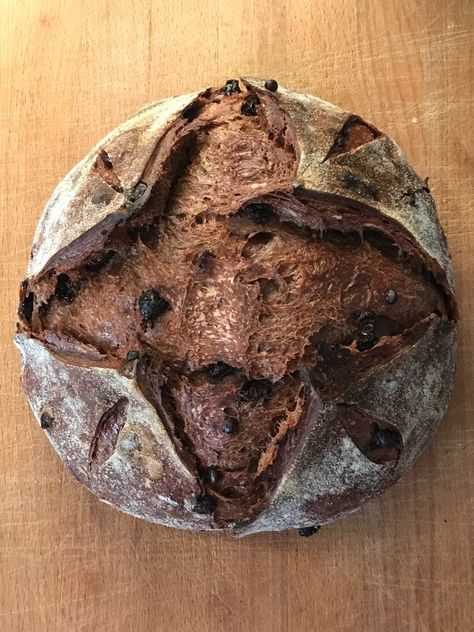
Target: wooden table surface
x,y
69,71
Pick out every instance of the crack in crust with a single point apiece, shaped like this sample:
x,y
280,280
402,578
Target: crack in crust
x,y
353,134
257,301
107,432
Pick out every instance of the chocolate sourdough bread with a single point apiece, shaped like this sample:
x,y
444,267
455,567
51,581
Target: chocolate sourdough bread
x,y
239,313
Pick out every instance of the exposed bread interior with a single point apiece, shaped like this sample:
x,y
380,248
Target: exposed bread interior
x,y
228,288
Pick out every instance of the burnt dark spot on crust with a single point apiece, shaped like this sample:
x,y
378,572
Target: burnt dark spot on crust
x,y
362,187
106,435
306,532
46,421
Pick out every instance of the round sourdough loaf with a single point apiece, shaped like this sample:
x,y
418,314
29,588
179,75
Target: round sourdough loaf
x,y
239,313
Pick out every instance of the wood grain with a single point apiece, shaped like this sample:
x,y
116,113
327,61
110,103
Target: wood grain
x,y
70,71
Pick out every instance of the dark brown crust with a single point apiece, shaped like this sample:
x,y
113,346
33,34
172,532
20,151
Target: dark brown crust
x,y
334,431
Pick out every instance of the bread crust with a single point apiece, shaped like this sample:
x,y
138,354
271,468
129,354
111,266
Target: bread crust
x,y
330,476
391,185
83,199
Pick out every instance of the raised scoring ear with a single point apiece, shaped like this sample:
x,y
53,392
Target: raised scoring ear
x,y
84,198
375,173
340,155
142,475
411,393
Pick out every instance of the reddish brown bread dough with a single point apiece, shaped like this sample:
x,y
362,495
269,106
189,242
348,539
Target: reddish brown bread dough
x,y
247,310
